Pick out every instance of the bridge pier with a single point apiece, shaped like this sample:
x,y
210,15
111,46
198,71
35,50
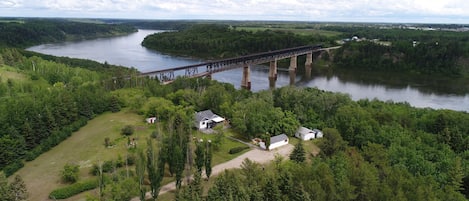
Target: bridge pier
x,y
246,81
273,73
293,64
308,65
292,69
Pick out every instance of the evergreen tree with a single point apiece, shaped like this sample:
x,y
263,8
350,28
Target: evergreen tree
x,y
199,157
271,190
208,159
114,105
154,172
179,165
140,170
298,153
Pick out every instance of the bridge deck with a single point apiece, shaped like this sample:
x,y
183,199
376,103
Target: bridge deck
x,y
166,75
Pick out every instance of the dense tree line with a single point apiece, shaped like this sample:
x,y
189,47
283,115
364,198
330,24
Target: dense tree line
x,y
36,31
425,58
222,41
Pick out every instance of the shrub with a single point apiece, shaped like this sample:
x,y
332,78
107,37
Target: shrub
x,y
70,173
71,190
107,142
12,168
237,149
154,134
127,130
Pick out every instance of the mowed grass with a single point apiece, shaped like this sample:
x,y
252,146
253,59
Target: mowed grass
x,y
222,155
85,147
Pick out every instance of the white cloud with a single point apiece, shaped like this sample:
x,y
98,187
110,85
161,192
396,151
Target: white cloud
x,y
308,10
10,3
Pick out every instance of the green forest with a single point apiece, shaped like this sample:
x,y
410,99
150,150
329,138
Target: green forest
x,y
224,41
371,150
28,32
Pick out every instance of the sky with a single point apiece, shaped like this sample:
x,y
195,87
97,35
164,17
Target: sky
x,y
400,11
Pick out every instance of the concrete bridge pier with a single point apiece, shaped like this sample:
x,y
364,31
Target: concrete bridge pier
x,y
246,81
273,73
292,69
308,65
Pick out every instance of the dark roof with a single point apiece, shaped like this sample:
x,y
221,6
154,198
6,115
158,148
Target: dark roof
x,y
278,138
206,114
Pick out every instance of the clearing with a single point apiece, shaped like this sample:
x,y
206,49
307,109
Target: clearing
x,y
85,147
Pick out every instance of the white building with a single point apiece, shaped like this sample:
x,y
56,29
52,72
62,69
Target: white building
x,y
308,134
151,120
276,142
207,119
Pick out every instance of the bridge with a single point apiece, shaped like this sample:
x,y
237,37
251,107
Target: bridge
x,y
208,68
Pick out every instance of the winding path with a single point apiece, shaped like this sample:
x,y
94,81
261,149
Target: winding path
x,y
256,155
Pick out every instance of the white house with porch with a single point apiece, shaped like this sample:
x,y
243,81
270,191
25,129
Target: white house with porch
x,y
276,142
207,119
304,133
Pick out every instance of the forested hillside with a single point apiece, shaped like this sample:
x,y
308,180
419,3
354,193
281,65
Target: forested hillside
x,y
410,51
28,32
223,41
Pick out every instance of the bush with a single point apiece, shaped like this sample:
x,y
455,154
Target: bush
x,y
154,134
237,149
12,168
127,130
70,173
71,190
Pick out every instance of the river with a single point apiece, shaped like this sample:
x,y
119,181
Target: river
x,y
442,93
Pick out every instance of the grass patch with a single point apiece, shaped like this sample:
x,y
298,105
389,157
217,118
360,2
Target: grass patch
x,y
223,154
7,72
85,147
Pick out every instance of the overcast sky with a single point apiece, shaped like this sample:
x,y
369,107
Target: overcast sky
x,y
422,11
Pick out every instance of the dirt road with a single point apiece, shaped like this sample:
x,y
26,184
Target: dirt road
x,y
256,155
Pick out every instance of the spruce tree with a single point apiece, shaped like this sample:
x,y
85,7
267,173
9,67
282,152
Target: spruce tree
x,y
208,159
298,153
199,157
154,173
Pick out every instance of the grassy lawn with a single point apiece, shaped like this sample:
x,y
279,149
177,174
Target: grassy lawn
x,y
222,155
85,147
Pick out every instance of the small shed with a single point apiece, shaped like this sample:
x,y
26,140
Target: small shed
x,y
207,119
151,120
318,132
276,142
304,133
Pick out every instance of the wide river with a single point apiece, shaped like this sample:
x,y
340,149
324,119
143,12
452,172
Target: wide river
x,y
127,51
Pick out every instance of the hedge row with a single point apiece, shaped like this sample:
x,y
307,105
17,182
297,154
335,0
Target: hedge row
x,y
73,189
237,149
